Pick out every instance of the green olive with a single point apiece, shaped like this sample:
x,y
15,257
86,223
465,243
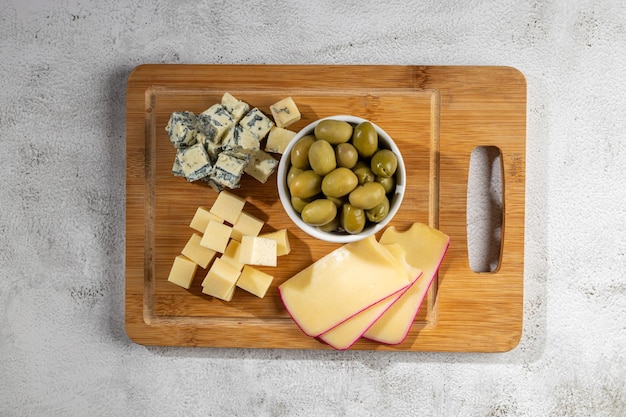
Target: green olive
x,y
365,139
333,131
331,226
367,196
293,172
306,184
319,212
339,201
300,152
379,212
352,218
298,203
388,183
346,154
339,182
384,163
363,173
322,157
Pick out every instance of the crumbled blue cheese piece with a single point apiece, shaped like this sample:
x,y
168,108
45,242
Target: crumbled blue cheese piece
x,y
228,170
257,122
237,108
214,122
194,162
181,128
238,138
285,112
261,165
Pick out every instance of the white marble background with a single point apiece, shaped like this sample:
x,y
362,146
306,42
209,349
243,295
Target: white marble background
x,y
63,348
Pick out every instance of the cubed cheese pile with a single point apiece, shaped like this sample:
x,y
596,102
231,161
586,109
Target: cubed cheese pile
x,y
227,242
223,142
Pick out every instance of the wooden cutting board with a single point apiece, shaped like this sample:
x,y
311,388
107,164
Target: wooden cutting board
x,y
437,115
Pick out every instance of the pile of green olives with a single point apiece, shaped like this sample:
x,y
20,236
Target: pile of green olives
x,y
340,179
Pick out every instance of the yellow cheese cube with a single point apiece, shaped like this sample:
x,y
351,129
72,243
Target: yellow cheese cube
x,y
247,225
183,271
201,219
278,139
231,254
282,241
198,253
228,206
285,112
221,279
229,295
257,251
254,281
216,236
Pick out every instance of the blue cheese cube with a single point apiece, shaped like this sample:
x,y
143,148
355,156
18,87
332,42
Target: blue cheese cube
x,y
214,122
194,162
285,112
213,149
237,108
257,122
181,128
278,139
238,138
261,165
228,170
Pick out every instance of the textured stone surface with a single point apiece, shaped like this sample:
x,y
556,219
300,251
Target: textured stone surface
x,y
63,71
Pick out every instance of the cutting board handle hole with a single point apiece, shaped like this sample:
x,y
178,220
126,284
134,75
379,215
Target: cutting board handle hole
x,y
484,214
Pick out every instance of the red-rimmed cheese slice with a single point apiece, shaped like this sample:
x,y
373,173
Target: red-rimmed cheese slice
x,y
425,248
342,284
344,335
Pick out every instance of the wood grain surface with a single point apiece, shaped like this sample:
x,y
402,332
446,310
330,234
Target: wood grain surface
x,y
436,115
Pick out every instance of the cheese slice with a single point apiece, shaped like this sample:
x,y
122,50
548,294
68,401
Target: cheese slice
x,y
343,283
425,248
344,335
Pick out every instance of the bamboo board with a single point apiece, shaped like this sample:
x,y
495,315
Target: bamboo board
x,y
437,115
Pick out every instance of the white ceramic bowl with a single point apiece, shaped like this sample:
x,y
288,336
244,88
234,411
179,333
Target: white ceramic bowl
x,y
385,141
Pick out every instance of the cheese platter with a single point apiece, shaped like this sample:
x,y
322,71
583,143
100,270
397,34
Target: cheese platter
x,y
436,115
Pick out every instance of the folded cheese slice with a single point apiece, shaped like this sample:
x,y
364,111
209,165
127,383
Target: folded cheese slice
x,y
425,248
343,283
344,335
